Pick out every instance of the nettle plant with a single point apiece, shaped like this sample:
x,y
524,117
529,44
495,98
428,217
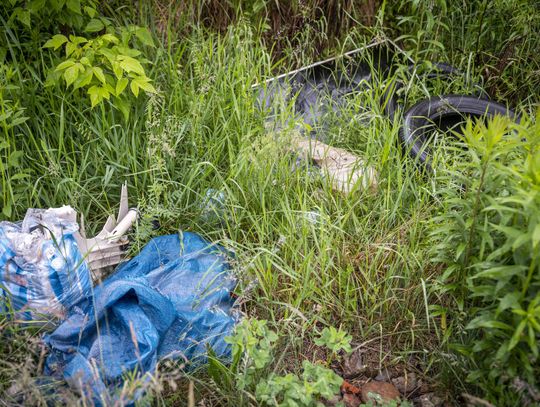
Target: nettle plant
x,y
488,238
253,349
105,66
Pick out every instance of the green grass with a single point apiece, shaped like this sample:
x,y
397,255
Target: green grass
x,y
366,265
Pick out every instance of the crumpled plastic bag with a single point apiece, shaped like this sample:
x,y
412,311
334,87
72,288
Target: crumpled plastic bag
x,y
42,272
173,300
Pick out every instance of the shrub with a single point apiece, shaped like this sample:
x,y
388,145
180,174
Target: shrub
x,y
488,236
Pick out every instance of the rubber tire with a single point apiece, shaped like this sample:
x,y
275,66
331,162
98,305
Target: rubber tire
x,y
440,70
418,120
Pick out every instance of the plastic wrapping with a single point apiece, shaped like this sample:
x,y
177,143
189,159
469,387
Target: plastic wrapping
x,y
173,300
42,272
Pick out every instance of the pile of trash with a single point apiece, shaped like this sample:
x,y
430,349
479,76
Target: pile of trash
x,y
173,300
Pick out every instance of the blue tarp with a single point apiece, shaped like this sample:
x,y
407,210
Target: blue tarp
x,y
171,301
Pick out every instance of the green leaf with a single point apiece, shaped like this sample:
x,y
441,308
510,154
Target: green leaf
x,y
510,300
99,74
84,79
517,334
484,321
110,38
56,41
130,64
36,5
95,97
94,25
90,11
18,176
64,65
144,84
23,16
14,157
70,48
74,5
536,235
121,85
6,210
144,36
134,88
71,73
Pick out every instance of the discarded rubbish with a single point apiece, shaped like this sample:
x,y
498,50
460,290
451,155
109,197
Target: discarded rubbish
x,y
43,273
107,249
46,260
319,88
343,169
173,300
443,112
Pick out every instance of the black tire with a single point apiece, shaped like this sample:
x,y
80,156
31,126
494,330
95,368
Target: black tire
x,y
443,112
440,70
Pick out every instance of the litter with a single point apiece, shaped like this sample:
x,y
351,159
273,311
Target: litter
x,y
108,248
173,300
318,89
43,273
47,262
344,169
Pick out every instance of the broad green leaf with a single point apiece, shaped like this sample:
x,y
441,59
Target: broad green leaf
x,y
94,25
70,48
134,88
501,271
23,16
130,64
144,84
71,73
121,85
19,175
95,97
510,300
90,11
65,64
84,79
110,38
36,5
56,41
6,210
74,5
144,36
103,92
99,74
77,40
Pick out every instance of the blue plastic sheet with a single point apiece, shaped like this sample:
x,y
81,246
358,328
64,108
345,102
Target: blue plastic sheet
x,y
171,301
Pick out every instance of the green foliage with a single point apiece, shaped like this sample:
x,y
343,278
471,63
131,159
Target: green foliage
x,y
12,115
104,65
49,13
253,350
335,340
315,382
488,238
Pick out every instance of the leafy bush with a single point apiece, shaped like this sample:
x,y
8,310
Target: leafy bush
x,y
105,65
253,350
488,238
